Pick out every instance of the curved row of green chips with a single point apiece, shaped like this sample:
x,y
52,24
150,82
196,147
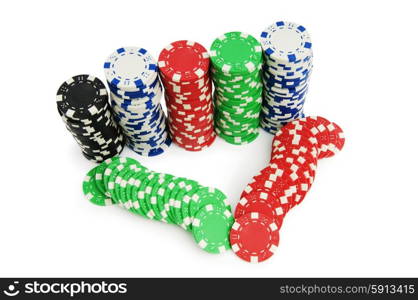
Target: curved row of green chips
x,y
201,210
236,63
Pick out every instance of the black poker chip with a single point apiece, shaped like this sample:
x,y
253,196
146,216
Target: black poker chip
x,y
82,103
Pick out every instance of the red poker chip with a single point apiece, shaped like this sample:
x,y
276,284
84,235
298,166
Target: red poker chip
x,y
185,116
279,188
193,146
318,127
192,133
254,237
197,135
192,118
175,88
184,69
184,61
188,108
297,182
203,99
336,139
198,102
295,133
304,149
185,83
189,94
261,201
295,160
293,171
289,188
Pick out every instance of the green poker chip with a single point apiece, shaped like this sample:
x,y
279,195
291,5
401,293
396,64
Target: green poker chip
x,y
236,140
163,197
142,194
92,192
122,187
125,191
151,199
176,199
134,193
236,71
100,173
236,53
162,205
211,226
205,196
157,198
168,200
185,196
113,179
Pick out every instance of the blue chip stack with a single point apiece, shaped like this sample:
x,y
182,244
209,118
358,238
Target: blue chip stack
x,y
287,51
132,76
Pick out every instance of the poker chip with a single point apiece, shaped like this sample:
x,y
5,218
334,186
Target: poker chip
x,y
132,77
254,84
329,135
91,191
288,56
125,182
211,226
184,69
284,182
82,103
261,201
254,237
236,63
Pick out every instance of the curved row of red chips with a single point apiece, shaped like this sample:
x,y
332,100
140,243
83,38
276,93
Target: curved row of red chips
x,y
282,185
184,67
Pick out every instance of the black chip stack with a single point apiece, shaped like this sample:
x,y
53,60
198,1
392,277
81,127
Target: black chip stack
x,y
82,103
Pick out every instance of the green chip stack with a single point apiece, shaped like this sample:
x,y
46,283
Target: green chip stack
x,y
201,210
236,63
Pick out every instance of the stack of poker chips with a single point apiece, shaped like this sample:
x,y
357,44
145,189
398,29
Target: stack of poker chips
x,y
282,185
82,103
236,62
287,67
132,77
184,69
201,210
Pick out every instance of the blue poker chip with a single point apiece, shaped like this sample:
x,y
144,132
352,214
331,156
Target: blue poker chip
x,y
288,58
271,82
286,93
281,110
142,93
286,42
153,152
280,98
280,78
130,69
135,100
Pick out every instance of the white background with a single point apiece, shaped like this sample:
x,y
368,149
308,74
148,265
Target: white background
x,y
360,217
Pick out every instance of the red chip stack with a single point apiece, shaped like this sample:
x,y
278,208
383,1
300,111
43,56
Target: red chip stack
x,y
282,185
184,67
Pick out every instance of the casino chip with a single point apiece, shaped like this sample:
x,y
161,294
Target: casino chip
x,y
201,210
184,69
236,63
254,237
288,56
211,226
132,78
82,103
282,184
